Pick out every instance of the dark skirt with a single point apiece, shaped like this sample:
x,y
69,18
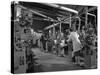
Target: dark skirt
x,y
79,53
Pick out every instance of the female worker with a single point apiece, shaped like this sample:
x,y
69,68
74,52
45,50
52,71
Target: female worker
x,y
74,37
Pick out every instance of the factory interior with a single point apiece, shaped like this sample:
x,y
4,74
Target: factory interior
x,y
50,37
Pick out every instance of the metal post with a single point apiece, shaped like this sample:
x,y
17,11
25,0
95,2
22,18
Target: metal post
x,y
53,31
86,17
79,23
70,20
60,30
60,27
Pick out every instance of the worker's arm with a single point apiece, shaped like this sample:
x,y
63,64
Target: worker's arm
x,y
69,38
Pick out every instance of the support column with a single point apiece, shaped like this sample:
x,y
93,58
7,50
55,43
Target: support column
x,y
86,17
60,30
60,27
53,31
70,20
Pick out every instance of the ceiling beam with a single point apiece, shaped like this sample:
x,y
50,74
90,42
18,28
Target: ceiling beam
x,y
92,9
35,12
89,10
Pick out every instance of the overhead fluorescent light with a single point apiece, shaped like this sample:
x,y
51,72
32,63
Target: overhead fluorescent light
x,y
52,5
61,7
16,2
68,9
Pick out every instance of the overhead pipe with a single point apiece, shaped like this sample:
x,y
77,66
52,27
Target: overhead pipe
x,y
48,27
79,25
91,14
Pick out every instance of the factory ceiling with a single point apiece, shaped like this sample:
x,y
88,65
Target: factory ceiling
x,y
53,11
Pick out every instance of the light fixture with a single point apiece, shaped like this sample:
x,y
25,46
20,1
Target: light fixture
x,y
52,5
68,9
61,7
16,2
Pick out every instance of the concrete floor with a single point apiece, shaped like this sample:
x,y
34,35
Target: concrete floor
x,y
51,62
